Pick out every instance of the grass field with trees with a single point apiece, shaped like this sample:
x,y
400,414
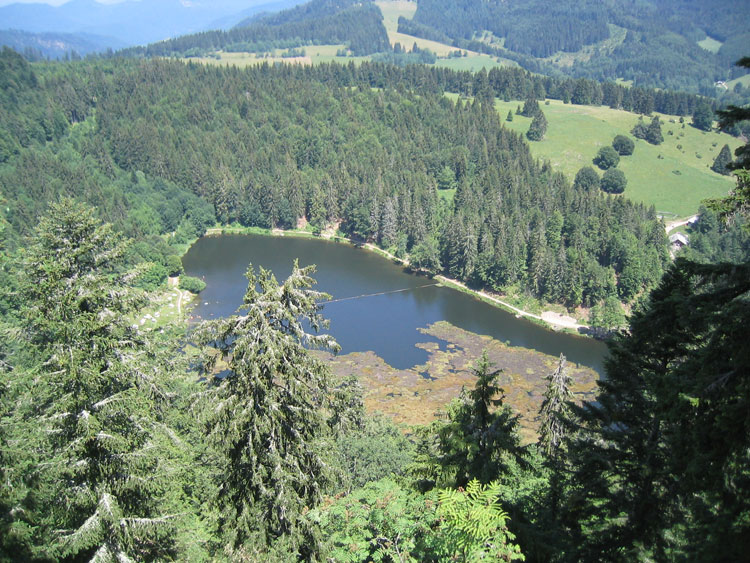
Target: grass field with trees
x,y
675,176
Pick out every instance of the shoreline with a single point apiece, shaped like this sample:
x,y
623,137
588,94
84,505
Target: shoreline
x,y
548,319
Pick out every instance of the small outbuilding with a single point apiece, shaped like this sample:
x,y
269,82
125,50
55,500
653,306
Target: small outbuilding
x,y
678,240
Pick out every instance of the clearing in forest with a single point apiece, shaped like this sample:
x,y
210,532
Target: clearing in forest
x,y
673,176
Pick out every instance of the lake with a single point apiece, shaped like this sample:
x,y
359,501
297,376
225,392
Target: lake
x,y
377,306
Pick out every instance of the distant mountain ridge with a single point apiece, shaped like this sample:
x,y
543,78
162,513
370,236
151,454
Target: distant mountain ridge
x,y
250,14
51,45
303,12
131,22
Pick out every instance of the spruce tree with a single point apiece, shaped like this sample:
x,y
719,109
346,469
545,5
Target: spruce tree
x,y
509,117
480,438
722,161
653,132
11,545
703,117
530,107
538,127
555,419
738,202
640,130
661,468
266,416
555,410
94,397
389,223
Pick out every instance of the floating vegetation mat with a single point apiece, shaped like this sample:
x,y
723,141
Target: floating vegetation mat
x,y
416,395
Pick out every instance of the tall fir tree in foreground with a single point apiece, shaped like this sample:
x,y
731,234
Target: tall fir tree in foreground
x,y
662,461
662,468
90,406
266,416
480,439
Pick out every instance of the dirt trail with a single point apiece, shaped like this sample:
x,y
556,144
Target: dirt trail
x,y
549,317
674,224
173,283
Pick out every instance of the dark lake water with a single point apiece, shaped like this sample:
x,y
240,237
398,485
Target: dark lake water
x,y
386,324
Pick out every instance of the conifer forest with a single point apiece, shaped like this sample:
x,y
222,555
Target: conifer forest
x,y
232,439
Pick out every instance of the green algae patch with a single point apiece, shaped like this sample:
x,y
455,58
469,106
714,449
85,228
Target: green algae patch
x,y
417,395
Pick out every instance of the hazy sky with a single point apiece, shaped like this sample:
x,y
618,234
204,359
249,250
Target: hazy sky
x,y
53,2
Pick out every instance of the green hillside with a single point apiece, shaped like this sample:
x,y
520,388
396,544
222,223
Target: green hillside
x,y
673,179
673,44
216,48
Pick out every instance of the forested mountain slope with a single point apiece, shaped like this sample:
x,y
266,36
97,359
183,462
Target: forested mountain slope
x,y
651,43
267,146
36,46
359,25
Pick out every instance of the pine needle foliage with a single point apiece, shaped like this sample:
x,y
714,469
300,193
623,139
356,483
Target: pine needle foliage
x,y
530,107
480,439
538,127
555,420
723,161
661,465
93,404
555,409
266,415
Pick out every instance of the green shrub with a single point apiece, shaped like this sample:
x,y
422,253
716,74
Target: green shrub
x,y
614,181
623,145
191,284
153,277
607,158
174,265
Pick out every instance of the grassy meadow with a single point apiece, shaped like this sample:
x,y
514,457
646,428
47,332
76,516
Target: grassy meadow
x,y
564,59
674,176
474,62
313,54
710,44
393,9
242,60
744,80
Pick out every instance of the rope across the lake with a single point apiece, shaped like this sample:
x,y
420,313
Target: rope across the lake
x,y
380,293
